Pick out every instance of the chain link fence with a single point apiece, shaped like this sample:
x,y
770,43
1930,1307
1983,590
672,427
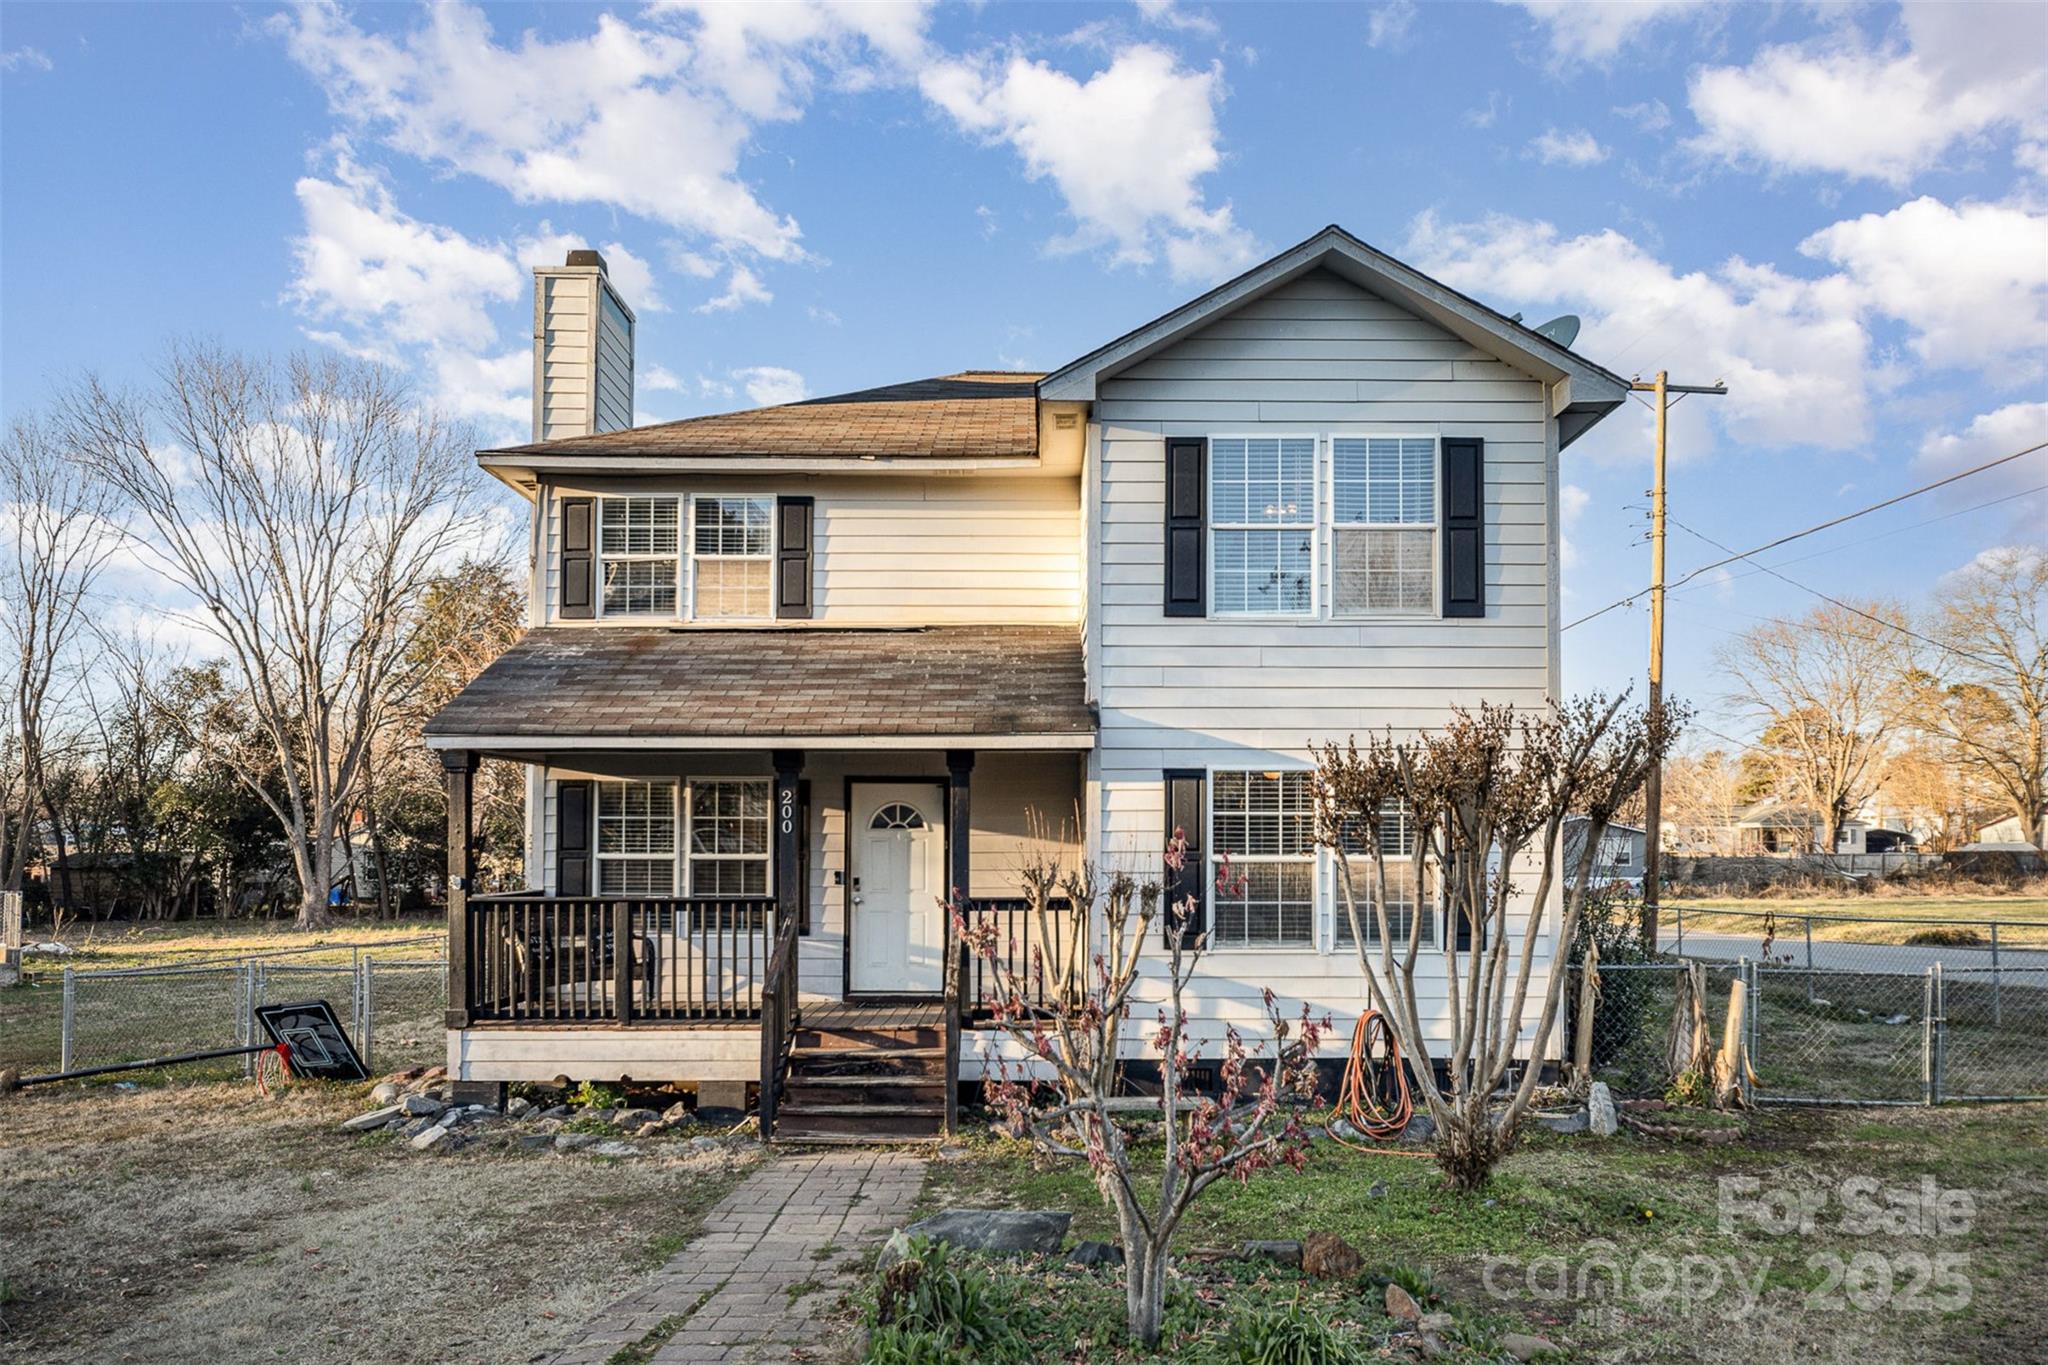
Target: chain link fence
x,y
391,996
1842,1011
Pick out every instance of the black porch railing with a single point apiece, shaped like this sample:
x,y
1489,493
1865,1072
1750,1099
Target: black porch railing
x,y
549,959
1023,946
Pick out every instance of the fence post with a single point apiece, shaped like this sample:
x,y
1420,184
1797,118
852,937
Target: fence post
x,y
245,1013
1997,1005
64,1046
1927,1038
1681,929
1756,1002
1940,1032
1809,959
365,1009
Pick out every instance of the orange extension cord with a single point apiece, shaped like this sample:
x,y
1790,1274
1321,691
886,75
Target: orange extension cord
x,y
1374,1098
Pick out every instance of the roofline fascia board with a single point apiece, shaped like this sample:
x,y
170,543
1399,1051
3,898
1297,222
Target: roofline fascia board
x,y
842,743
1077,381
749,464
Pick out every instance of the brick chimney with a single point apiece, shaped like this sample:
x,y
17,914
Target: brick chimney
x,y
582,350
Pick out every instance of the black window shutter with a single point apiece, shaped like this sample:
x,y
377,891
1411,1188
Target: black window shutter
x,y
793,558
1464,586
1187,551
572,838
1187,810
579,560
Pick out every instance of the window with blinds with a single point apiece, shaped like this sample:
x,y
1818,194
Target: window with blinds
x,y
638,544
1383,513
1262,501
1265,823
1397,846
732,546
636,838
729,837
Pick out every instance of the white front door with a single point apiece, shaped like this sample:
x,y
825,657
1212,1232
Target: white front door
x,y
896,885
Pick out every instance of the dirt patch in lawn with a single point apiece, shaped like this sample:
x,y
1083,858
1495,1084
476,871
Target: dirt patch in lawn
x,y
204,1224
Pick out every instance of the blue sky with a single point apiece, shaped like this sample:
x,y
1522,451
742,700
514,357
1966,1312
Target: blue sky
x,y
1841,211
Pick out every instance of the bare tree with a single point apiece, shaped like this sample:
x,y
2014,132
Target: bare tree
x,y
1829,691
1701,797
304,507
59,539
1457,815
1986,697
1070,1016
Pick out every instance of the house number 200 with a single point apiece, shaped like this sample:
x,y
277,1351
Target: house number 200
x,y
787,799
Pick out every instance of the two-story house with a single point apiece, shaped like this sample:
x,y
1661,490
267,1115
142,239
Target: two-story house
x,y
795,673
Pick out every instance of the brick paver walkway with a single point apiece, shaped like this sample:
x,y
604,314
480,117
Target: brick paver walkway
x,y
802,1219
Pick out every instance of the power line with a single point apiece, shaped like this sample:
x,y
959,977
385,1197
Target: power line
x,y
1836,601
1815,530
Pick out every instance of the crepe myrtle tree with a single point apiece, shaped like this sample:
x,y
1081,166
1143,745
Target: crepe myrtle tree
x,y
1461,812
1068,1012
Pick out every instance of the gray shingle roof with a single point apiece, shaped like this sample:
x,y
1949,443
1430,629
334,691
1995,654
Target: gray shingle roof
x,y
972,415
621,682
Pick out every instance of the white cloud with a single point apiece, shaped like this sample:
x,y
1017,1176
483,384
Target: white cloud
x,y
1652,116
1389,25
767,385
1591,32
659,379
2002,431
495,391
26,59
1970,281
1886,111
1793,351
1126,149
1575,148
630,274
742,287
1168,14
1487,115
364,261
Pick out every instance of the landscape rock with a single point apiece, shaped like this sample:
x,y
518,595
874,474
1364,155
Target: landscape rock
x,y
1522,1346
617,1149
653,1128
1421,1130
1401,1305
436,1138
719,1118
1574,1122
1436,1322
419,1125
1285,1252
453,1117
556,1111
1096,1253
1326,1256
1002,1230
1377,1191
376,1118
705,1144
1601,1120
678,1114
535,1142
423,1106
385,1092
631,1119
574,1142
518,1107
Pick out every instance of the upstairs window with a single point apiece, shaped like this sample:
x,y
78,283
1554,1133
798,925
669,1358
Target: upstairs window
x,y
637,538
732,549
1262,500
729,838
1265,824
636,838
1397,847
1383,525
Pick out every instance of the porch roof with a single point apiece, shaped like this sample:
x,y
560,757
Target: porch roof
x,y
935,686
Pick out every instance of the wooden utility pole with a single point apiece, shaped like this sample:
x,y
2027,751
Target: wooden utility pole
x,y
1653,789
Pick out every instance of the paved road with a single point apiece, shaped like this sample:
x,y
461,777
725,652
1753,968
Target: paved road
x,y
1863,957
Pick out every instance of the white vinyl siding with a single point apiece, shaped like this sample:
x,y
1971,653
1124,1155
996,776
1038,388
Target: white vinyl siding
x,y
636,838
1263,856
1262,520
637,544
889,550
732,552
1383,513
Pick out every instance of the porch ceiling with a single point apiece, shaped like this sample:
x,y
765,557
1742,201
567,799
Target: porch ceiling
x,y
619,688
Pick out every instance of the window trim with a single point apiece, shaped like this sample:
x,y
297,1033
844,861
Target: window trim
x,y
1313,858
599,559
686,849
1212,526
688,548
598,857
1435,524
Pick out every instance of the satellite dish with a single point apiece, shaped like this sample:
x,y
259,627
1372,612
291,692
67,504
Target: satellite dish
x,y
1562,330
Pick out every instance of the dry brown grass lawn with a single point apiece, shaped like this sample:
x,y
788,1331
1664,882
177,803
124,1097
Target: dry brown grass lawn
x,y
204,1224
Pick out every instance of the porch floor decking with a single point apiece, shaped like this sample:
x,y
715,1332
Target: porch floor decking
x,y
832,1016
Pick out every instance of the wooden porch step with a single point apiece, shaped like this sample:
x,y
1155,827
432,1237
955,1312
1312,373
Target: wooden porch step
x,y
893,1092
820,1063
844,1036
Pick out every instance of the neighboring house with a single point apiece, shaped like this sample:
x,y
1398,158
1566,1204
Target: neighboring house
x,y
1620,859
795,672
2009,831
1781,829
